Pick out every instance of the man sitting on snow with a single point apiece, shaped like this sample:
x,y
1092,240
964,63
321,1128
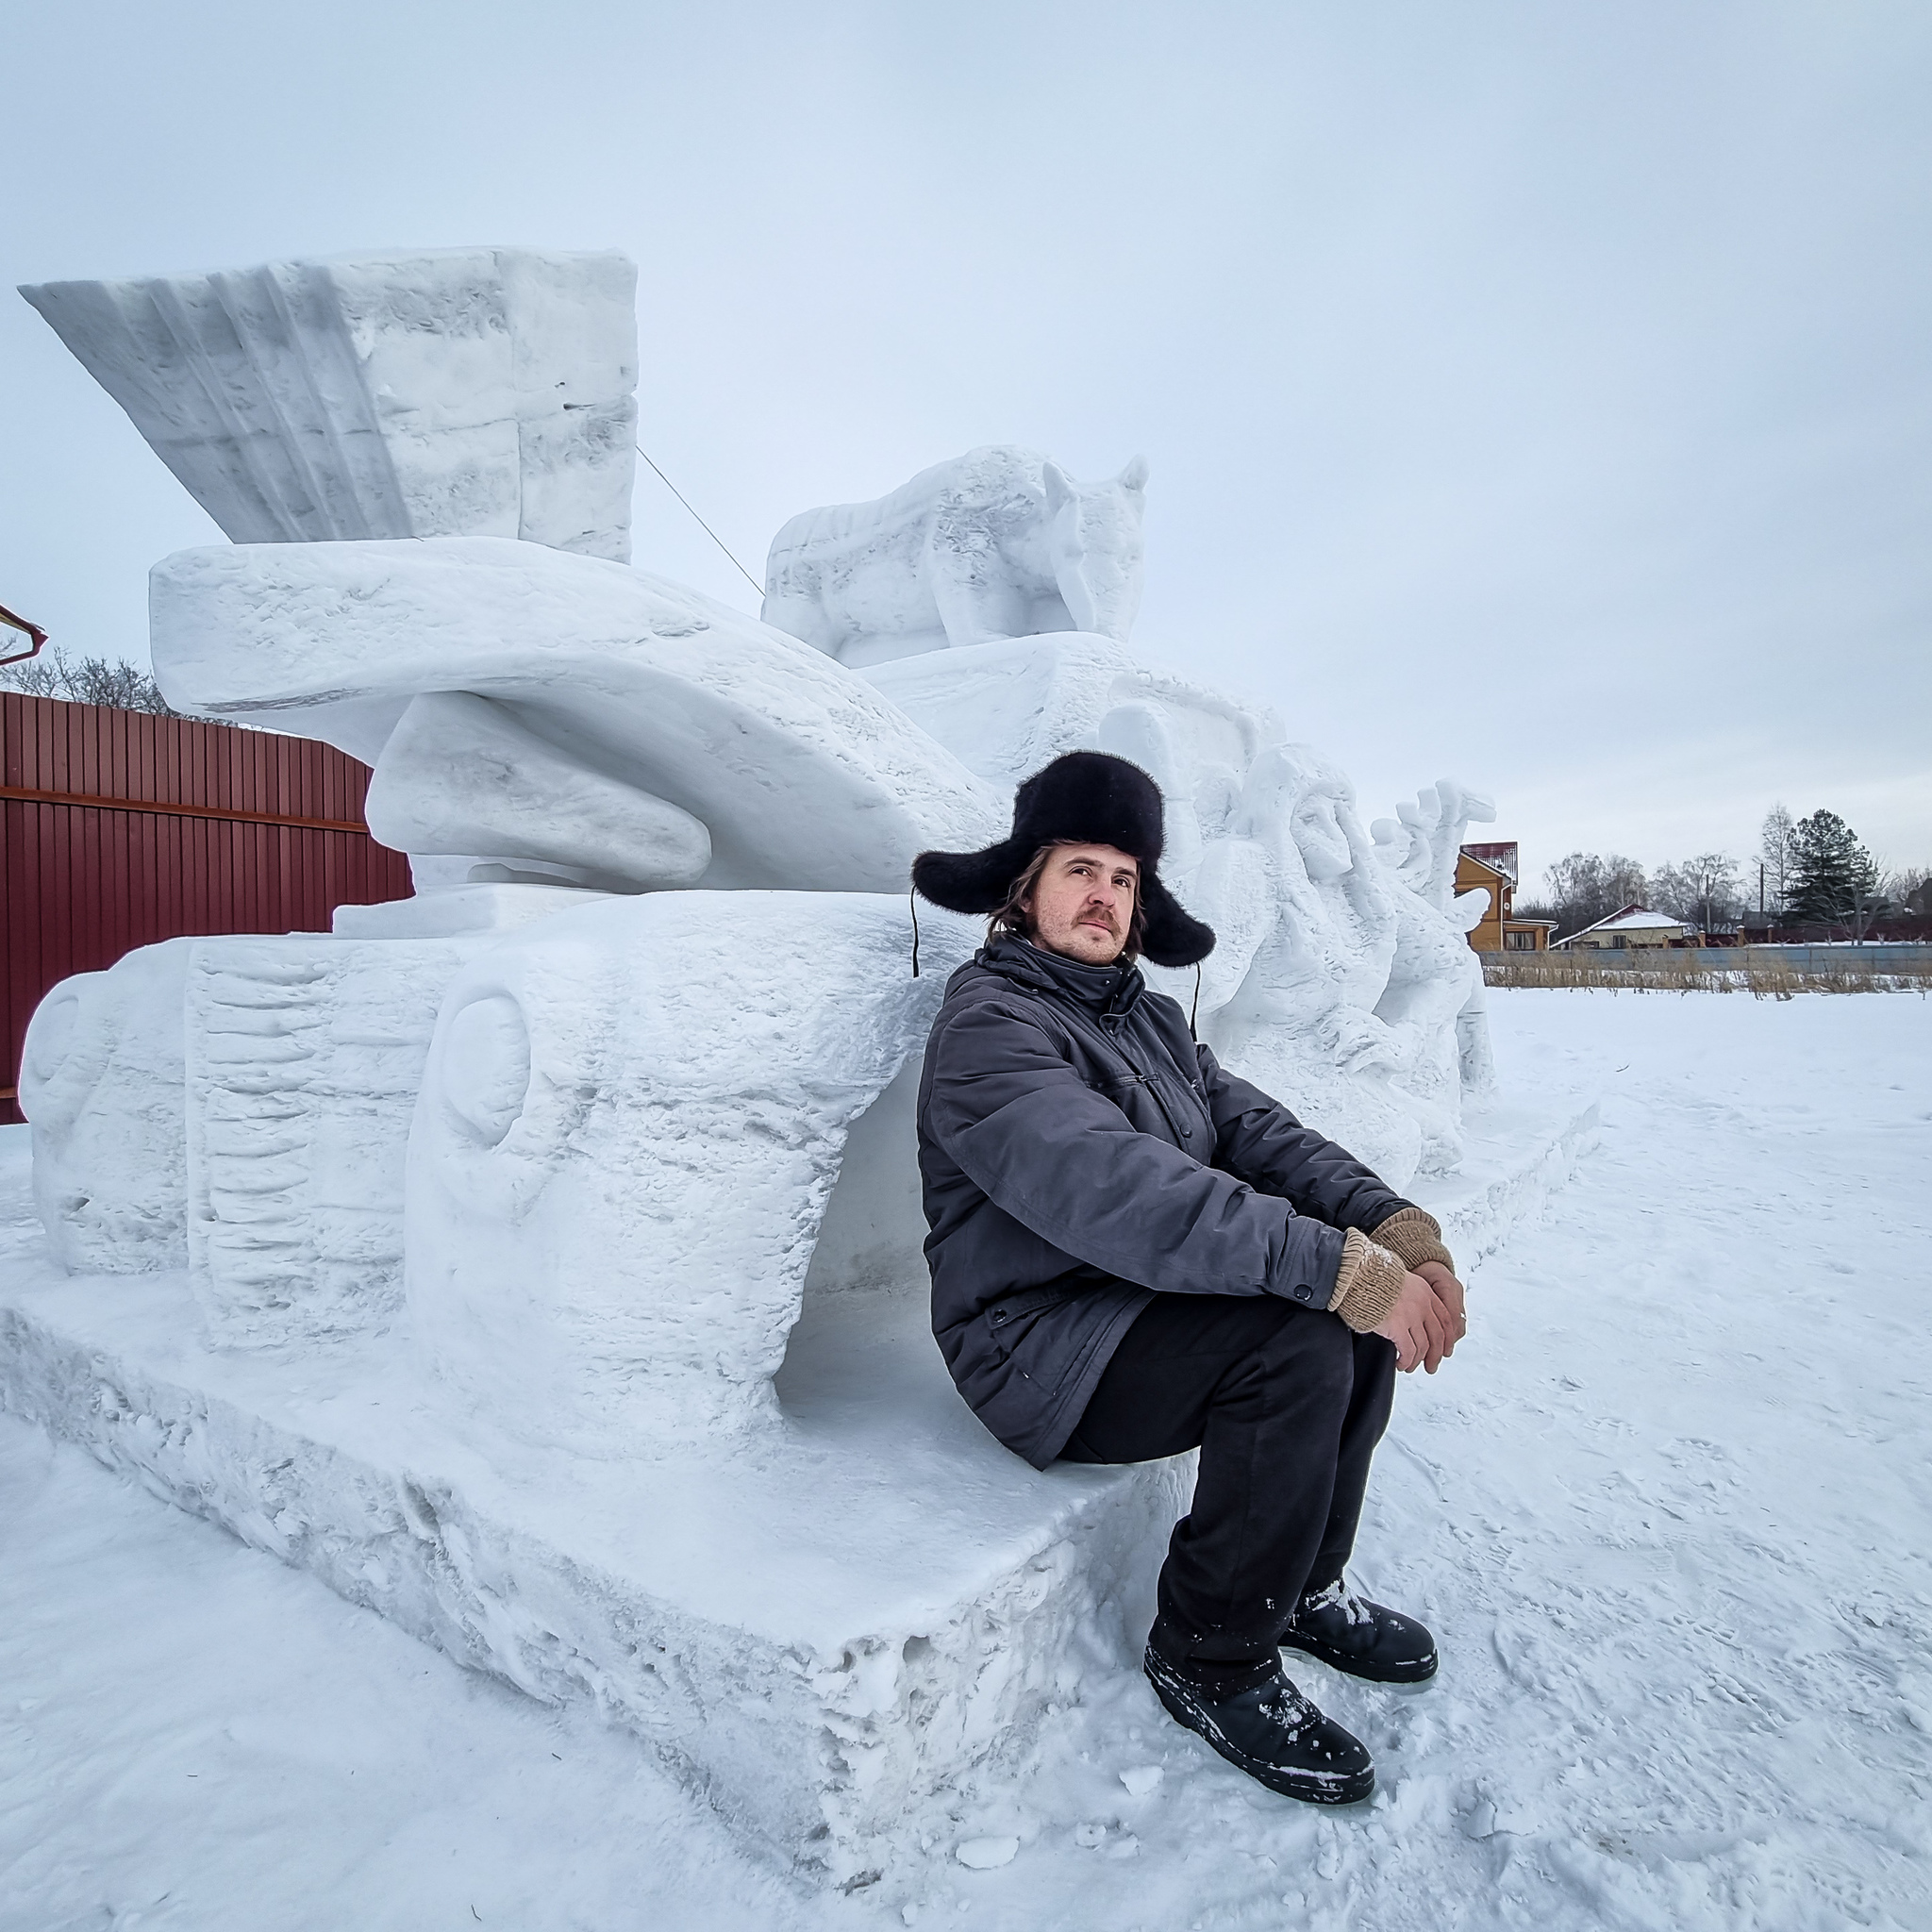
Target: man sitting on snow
x,y
1134,1252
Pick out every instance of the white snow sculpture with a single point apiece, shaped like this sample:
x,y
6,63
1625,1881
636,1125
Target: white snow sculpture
x,y
539,1258
462,773
998,544
1421,846
1352,1001
632,1119
1422,843
438,393
239,1107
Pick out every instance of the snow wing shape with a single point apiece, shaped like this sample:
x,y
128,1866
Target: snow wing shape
x,y
430,393
805,777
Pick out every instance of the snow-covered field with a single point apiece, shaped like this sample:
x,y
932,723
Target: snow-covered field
x,y
1669,1511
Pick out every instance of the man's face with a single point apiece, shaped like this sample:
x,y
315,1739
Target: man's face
x,y
1084,903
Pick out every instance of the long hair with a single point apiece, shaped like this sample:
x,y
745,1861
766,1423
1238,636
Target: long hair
x,y
1014,915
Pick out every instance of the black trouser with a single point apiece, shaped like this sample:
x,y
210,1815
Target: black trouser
x,y
1286,1406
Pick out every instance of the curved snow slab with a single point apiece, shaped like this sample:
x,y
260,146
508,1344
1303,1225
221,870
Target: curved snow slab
x,y
805,777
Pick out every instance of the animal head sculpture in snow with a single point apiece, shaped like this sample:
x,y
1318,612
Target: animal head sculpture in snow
x,y
998,544
1096,547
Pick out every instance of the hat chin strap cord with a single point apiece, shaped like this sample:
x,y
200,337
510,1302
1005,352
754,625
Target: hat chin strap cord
x,y
912,906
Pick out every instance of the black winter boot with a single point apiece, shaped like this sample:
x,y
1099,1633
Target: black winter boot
x,y
1261,1723
1365,1639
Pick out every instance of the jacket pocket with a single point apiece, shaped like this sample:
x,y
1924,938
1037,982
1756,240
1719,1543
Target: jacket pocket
x,y
1029,1301
1008,1322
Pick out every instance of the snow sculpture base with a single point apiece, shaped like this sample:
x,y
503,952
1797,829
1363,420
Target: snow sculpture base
x,y
818,1630
816,1637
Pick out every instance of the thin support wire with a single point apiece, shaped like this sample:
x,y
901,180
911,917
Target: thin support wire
x,y
701,523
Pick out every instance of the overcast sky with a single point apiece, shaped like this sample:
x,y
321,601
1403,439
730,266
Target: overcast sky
x,y
1538,394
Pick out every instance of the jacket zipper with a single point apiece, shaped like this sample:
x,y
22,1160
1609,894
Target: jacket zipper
x,y
1181,1134
1173,1126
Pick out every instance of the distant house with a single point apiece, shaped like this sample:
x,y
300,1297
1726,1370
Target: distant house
x,y
1634,925
1492,869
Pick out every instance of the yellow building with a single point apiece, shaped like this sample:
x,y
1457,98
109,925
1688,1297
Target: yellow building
x,y
1492,869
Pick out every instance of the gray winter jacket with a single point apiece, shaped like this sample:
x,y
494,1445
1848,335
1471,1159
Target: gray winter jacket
x,y
1079,1153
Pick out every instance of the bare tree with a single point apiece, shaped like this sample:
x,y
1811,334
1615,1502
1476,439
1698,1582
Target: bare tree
x,y
1778,854
1702,892
91,681
1585,886
1910,887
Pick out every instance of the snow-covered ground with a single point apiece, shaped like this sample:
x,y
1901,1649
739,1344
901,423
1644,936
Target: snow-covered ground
x,y
1668,1510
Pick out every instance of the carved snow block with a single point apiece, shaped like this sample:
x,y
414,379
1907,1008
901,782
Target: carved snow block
x,y
101,1081
813,1638
304,1058
631,1121
461,775
1006,709
433,392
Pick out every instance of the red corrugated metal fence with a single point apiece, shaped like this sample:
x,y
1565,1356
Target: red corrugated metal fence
x,y
118,828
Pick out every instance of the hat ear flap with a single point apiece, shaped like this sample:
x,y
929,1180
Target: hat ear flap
x,y
967,882
1172,938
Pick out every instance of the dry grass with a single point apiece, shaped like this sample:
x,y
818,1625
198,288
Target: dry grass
x,y
1763,974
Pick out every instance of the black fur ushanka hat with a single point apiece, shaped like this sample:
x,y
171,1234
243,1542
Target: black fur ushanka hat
x,y
1087,797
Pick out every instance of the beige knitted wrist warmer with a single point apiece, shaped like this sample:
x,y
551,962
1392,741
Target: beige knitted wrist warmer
x,y
1413,1237
1367,1284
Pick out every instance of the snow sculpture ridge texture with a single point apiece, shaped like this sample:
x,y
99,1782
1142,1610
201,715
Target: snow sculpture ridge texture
x,y
424,394
999,542
304,1060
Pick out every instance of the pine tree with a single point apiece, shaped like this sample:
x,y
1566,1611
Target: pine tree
x,y
1833,877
